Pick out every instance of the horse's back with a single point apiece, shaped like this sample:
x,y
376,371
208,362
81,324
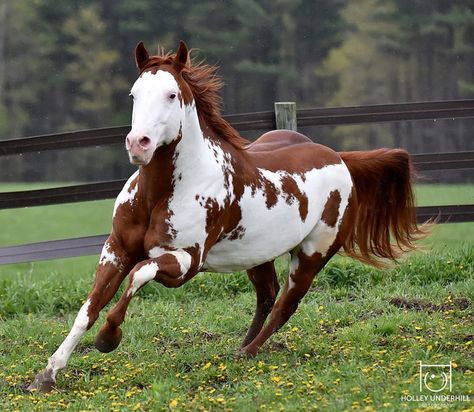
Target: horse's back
x,y
277,139
287,149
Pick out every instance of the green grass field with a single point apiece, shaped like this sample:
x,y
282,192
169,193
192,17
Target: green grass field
x,y
354,344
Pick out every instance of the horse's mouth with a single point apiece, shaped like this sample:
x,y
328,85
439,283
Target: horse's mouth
x,y
137,160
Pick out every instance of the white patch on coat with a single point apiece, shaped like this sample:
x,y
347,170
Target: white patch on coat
x,y
182,257
320,239
126,195
272,232
323,236
59,359
200,167
143,275
108,256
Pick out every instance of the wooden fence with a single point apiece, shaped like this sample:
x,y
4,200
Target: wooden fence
x,y
284,116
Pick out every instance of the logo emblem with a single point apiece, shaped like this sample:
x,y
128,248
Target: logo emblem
x,y
435,378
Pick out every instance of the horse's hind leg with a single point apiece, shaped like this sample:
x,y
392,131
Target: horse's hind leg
x,y
308,259
303,269
266,286
112,269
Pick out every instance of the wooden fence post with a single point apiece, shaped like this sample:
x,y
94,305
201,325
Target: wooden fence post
x,y
285,115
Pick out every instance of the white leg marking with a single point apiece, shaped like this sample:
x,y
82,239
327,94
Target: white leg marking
x,y
183,257
108,256
59,359
143,275
295,262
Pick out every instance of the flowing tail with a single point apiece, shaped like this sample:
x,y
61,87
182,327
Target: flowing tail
x,y
385,205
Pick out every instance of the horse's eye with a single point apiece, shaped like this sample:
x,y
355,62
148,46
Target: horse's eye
x,y
172,96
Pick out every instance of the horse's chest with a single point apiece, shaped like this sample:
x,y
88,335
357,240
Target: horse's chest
x,y
182,223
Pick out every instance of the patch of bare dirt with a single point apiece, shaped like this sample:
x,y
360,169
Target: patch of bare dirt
x,y
460,303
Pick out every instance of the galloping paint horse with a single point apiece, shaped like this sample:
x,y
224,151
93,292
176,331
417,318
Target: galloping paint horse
x,y
205,199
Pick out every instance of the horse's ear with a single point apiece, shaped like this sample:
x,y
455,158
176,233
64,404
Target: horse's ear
x,y
182,55
141,56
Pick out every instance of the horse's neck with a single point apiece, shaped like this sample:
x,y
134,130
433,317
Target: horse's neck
x,y
192,157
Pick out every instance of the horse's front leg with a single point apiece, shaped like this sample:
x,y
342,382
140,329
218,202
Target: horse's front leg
x,y
171,268
113,266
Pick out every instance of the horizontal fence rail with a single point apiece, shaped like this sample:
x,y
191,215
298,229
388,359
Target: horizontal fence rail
x,y
53,249
256,121
386,113
68,194
110,189
92,245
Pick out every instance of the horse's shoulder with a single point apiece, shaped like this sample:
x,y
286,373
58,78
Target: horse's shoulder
x,y
277,139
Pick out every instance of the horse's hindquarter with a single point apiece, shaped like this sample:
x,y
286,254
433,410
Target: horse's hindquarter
x,y
294,186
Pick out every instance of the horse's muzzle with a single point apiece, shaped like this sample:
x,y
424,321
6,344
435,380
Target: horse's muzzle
x,y
139,148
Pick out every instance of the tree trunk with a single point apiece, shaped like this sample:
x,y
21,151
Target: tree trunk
x,y
3,35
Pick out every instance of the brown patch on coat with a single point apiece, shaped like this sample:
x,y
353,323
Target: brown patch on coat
x,y
237,233
132,186
156,188
331,209
292,192
271,193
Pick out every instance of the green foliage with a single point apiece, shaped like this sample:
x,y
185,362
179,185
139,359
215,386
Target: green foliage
x,y
350,345
402,51
90,67
75,73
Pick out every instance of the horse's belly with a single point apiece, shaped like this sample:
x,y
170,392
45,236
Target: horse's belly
x,y
267,231
263,241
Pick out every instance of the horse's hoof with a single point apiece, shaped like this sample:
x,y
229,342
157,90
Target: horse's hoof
x,y
246,353
43,382
108,339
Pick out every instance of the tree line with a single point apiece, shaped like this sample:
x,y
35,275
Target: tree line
x,y
69,65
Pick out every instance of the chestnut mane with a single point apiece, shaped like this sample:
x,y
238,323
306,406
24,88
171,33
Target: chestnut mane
x,y
205,85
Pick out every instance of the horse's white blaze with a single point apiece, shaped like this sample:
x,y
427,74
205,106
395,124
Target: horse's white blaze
x,y
59,359
126,195
143,275
271,232
108,256
155,114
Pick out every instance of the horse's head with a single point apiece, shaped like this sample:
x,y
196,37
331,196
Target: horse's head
x,y
158,95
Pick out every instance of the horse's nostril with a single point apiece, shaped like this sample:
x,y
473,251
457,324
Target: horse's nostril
x,y
145,142
128,142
